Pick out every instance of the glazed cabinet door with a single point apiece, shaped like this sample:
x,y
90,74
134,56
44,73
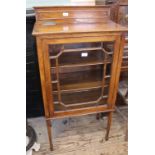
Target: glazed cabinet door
x,y
80,73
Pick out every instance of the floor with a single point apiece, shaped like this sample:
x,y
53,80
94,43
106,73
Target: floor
x,y
82,135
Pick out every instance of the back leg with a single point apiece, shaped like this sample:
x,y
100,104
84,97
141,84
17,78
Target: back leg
x,y
108,125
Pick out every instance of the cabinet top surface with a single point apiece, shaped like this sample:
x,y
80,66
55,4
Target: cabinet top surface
x,y
109,26
57,20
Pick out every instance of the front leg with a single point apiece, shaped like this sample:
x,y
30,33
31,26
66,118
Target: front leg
x,y
49,129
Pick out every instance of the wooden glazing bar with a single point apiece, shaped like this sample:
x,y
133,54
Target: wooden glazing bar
x,y
126,47
55,57
79,50
80,89
58,83
105,51
107,76
104,69
82,49
124,68
103,78
110,53
125,51
125,57
75,50
55,81
81,103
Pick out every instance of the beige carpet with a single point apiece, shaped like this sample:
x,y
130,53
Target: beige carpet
x,y
81,136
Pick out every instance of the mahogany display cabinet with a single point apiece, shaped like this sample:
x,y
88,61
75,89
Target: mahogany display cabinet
x,y
79,75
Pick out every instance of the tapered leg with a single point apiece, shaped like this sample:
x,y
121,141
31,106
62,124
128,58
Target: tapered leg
x,y
98,116
108,125
49,129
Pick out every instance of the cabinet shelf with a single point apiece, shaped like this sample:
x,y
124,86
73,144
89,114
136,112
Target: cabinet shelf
x,y
92,63
86,78
81,86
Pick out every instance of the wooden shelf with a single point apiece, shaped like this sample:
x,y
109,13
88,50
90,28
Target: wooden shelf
x,y
90,76
124,68
83,64
81,67
81,87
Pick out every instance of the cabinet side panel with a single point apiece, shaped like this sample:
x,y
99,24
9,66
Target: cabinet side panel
x,y
42,75
47,72
118,69
114,71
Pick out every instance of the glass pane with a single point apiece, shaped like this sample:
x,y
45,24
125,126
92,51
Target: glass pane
x,y
80,74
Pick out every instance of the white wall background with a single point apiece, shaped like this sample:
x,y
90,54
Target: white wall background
x,y
32,3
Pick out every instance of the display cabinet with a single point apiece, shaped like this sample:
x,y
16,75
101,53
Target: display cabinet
x,y
79,75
